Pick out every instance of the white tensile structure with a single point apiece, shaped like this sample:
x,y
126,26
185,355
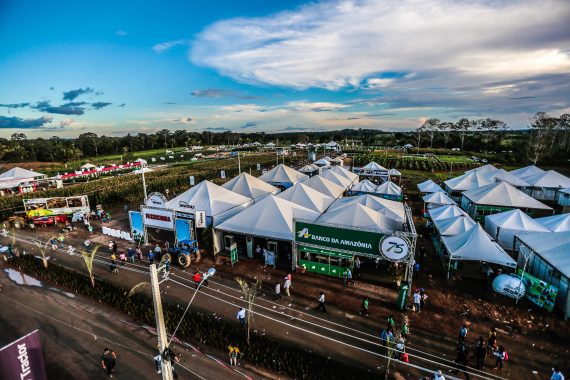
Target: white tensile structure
x,y
485,169
546,185
392,209
325,186
445,212
501,175
306,196
505,226
556,223
364,186
21,174
283,176
438,198
428,186
345,173
360,216
468,181
88,166
337,178
527,171
454,225
250,186
323,162
389,188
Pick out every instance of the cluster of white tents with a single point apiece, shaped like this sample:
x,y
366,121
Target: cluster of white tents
x,y
386,190
16,177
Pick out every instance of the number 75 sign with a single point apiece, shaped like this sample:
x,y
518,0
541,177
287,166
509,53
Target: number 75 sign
x,y
394,248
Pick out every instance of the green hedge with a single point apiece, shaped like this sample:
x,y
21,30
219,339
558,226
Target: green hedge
x,y
263,350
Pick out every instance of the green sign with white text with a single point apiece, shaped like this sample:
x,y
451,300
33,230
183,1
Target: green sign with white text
x,y
360,242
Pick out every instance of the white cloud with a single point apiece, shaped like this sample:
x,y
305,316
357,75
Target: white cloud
x,y
164,46
121,33
336,44
374,83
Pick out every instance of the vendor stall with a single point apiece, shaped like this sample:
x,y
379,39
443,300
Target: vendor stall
x,y
306,196
428,187
505,226
249,186
283,177
390,190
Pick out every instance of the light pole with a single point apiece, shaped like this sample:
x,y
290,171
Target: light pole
x,y
143,166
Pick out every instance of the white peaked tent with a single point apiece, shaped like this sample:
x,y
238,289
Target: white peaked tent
x,y
345,173
445,212
20,173
325,186
323,162
217,202
337,178
545,185
143,170
250,186
358,215
527,171
504,226
501,194
501,175
364,187
437,199
394,172
142,161
392,209
88,166
485,169
556,223
429,186
282,174
468,181
306,196
389,188
311,168
374,167
476,245
454,226
272,217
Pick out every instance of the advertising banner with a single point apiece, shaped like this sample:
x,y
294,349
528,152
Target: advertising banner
x,y
23,359
156,200
223,174
137,228
192,180
158,218
539,292
200,217
183,229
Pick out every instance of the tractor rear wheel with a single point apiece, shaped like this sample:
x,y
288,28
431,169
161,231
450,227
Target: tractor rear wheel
x,y
183,260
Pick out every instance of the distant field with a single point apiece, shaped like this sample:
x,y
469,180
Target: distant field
x,y
454,159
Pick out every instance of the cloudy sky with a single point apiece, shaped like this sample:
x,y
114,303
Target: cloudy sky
x,y
270,65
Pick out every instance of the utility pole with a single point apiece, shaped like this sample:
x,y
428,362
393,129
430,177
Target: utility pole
x,y
144,182
239,164
160,328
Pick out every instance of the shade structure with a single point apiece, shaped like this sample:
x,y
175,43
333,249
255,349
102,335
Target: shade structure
x,y
337,178
143,170
392,209
468,181
325,186
311,168
360,216
501,175
389,188
555,249
365,186
250,186
504,195
394,172
272,217
345,173
142,161
556,223
322,162
485,169
438,198
88,166
548,179
306,196
527,171
454,225
476,245
505,226
429,186
283,175
445,212
21,173
209,197
374,167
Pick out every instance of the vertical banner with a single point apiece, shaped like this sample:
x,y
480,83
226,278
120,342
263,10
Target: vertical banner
x,y
223,174
192,180
258,167
233,254
137,228
200,219
183,230
23,359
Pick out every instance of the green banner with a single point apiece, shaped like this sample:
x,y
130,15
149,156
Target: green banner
x,y
323,268
233,254
360,242
539,292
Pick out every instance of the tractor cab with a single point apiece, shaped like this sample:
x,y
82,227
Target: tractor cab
x,y
185,252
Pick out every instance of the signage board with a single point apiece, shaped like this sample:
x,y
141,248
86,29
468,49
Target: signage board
x,y
394,248
233,254
137,227
539,292
23,359
258,167
222,174
158,218
192,180
156,200
200,218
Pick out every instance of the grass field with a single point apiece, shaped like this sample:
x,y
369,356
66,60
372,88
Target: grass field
x,y
454,159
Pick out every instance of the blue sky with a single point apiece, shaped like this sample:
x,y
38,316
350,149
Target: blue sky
x,y
126,67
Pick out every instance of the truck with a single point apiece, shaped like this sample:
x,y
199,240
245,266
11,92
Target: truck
x,y
184,252
48,211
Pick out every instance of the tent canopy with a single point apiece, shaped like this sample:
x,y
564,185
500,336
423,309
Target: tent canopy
x,y
272,217
365,186
485,169
389,188
325,186
141,160
345,173
20,173
549,179
445,212
322,162
88,166
306,196
476,245
249,186
283,174
555,249
358,215
527,171
143,170
337,178
468,181
373,166
501,175
505,225
392,209
503,194
438,198
454,226
429,187
394,172
556,223
209,197
309,168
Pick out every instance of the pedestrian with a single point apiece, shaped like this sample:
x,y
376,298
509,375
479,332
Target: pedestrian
x,y
287,286
438,375
197,278
139,253
32,227
364,307
416,269
417,301
387,337
87,245
492,341
131,254
126,208
349,279
53,243
462,334
423,298
108,361
158,363
391,322
150,257
480,353
556,374
322,302
110,246
113,267
241,316
399,349
422,254
357,266
405,332
461,361
114,248
157,251
167,246
123,258
173,358
501,355
167,265
277,290
233,354
61,241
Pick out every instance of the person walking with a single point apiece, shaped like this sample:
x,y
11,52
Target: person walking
x,y
357,266
461,361
113,265
150,257
417,301
405,331
241,316
322,302
501,355
349,279
139,253
53,243
115,246
277,290
287,286
233,354
167,265
157,251
492,341
123,258
480,353
364,307
158,363
556,374
131,254
462,334
61,241
108,361
423,298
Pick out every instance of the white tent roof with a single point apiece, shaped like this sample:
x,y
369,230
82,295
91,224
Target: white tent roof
x,y
394,172
501,175
476,245
141,160
429,187
309,168
389,188
364,187
325,186
454,226
438,198
20,173
331,144
358,215
88,166
445,212
485,169
338,160
143,170
468,181
392,209
527,171
272,217
565,191
374,167
556,223
505,225
337,178
322,162
282,174
555,249
209,197
503,194
306,196
249,186
548,179
345,173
